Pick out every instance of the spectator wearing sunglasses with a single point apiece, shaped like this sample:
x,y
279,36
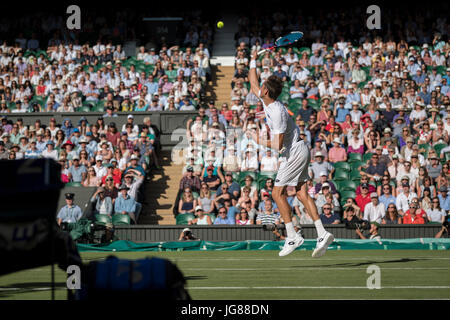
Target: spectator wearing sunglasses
x,y
364,180
328,216
364,198
374,212
435,213
414,215
375,170
223,218
391,216
386,197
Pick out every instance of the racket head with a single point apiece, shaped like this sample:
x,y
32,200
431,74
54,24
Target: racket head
x,y
289,39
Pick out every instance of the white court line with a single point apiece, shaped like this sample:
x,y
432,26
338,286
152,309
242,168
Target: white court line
x,y
315,287
26,289
305,259
309,268
295,268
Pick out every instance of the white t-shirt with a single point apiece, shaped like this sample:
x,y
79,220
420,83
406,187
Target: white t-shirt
x,y
251,163
269,163
403,201
374,213
279,121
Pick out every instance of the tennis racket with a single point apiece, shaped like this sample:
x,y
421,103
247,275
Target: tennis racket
x,y
284,41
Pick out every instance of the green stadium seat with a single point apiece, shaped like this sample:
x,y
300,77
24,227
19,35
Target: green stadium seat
x,y
340,175
102,219
73,184
345,195
244,174
342,165
424,149
121,219
354,157
296,101
11,106
90,104
347,185
438,147
356,164
284,97
355,175
367,156
308,50
267,174
262,178
441,70
184,218
212,216
98,108
84,109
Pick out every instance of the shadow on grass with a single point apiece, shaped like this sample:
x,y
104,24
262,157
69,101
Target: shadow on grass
x,y
360,264
195,277
20,288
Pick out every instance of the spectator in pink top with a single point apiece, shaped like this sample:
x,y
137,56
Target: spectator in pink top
x,y
337,153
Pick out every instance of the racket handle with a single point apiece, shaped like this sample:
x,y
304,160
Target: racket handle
x,y
262,51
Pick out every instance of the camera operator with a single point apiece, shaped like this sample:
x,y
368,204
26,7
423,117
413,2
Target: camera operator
x,y
186,234
444,228
269,219
352,221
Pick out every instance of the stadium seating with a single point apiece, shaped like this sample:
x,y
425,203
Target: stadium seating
x,y
184,218
341,175
103,219
121,219
342,166
352,157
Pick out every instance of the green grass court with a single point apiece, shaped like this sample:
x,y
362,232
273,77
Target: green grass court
x,y
405,274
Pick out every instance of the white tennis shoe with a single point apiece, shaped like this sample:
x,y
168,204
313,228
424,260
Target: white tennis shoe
x,y
291,244
322,244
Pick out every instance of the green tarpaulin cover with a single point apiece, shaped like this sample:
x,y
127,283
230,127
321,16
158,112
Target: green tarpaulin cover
x,y
338,244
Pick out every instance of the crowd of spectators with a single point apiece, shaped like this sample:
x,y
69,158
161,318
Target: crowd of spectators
x,y
65,76
375,113
73,78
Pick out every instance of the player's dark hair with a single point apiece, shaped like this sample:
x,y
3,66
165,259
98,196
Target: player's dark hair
x,y
274,85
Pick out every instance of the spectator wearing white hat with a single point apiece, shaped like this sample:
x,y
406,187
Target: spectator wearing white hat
x,y
77,172
100,170
374,211
130,120
324,179
321,198
404,198
269,163
50,151
250,161
337,153
201,219
134,159
318,166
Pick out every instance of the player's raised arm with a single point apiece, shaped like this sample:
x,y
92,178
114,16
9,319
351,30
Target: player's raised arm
x,y
253,76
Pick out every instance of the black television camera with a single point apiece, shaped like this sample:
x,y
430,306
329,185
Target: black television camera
x,y
360,225
273,227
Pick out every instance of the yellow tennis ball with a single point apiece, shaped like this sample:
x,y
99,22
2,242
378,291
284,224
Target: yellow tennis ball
x,y
220,24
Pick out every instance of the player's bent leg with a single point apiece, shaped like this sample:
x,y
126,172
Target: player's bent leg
x,y
293,239
324,238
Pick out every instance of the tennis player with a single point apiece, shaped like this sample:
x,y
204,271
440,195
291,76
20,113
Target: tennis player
x,y
294,161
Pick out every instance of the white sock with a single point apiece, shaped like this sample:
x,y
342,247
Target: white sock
x,y
319,227
290,230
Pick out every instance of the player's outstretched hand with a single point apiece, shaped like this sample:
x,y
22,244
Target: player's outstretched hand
x,y
254,55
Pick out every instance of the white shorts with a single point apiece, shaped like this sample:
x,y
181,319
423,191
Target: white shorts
x,y
294,168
